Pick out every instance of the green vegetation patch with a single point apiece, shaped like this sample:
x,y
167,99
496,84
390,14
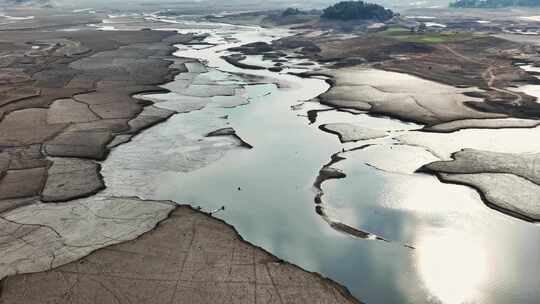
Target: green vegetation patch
x,y
407,35
357,10
292,12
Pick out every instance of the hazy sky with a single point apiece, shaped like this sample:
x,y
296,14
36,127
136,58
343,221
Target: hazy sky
x,y
237,4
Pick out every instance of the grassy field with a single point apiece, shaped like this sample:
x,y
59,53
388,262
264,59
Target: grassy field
x,y
431,38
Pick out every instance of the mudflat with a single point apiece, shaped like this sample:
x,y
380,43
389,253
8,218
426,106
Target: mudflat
x,y
189,258
68,98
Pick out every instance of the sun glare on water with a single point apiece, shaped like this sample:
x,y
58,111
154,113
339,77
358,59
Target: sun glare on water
x,y
453,274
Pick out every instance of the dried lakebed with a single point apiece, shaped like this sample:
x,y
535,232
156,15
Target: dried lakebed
x,y
184,255
388,233
441,240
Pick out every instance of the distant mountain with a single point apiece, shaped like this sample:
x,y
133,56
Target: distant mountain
x,y
493,3
27,1
357,10
24,2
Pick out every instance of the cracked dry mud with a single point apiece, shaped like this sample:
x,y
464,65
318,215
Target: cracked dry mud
x,y
83,107
69,95
327,172
57,122
508,182
441,107
352,133
41,236
189,258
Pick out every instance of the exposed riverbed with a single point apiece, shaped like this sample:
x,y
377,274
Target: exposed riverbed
x,y
444,245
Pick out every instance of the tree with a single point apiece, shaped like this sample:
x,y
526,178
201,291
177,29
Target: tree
x,y
292,12
357,10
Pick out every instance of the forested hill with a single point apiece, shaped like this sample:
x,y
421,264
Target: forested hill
x,y
357,10
493,3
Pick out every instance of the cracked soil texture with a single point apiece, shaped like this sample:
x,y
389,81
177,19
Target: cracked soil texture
x,y
189,258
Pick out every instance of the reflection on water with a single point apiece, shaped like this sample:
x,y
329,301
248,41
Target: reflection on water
x,y
464,252
455,276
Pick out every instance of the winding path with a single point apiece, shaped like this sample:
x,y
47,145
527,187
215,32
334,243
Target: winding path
x,y
488,75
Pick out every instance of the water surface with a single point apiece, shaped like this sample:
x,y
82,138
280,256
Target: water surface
x,y
463,251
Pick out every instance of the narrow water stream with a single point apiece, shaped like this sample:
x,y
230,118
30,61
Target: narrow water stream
x,y
463,251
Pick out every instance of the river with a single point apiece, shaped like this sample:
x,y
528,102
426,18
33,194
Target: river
x,y
444,245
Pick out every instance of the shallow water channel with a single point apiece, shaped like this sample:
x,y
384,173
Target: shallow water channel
x,y
462,251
